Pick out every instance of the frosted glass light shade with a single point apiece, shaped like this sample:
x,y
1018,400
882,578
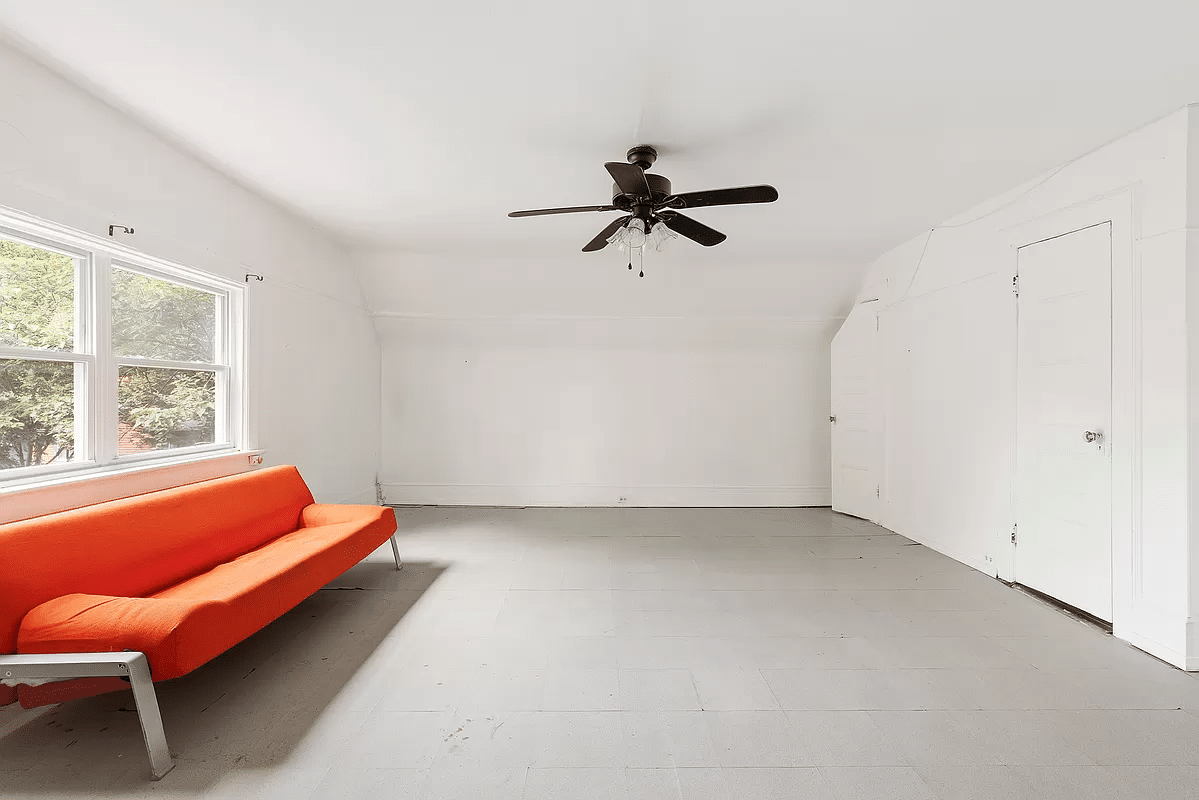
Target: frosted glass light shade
x,y
634,236
635,232
659,235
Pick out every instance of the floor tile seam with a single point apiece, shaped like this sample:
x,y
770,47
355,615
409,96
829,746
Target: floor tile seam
x,y
1117,764
1022,779
769,688
970,736
723,767
914,770
786,721
882,734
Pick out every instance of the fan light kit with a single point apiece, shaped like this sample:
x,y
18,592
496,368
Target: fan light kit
x,y
651,212
634,236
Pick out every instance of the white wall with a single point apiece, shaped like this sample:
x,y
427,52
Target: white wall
x,y
946,378
586,411
568,380
314,355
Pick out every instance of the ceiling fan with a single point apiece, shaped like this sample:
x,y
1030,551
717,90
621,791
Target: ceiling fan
x,y
646,200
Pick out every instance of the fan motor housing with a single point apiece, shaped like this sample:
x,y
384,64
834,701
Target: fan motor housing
x,y
659,189
643,155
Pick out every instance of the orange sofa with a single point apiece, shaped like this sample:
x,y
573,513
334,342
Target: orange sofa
x,y
90,599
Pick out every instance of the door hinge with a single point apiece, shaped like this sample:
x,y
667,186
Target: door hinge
x,y
1013,534
1016,285
878,492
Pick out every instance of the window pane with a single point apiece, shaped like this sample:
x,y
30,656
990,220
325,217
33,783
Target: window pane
x,y
153,318
159,409
37,412
37,298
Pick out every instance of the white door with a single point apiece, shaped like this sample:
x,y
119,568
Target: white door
x,y
855,476
1063,413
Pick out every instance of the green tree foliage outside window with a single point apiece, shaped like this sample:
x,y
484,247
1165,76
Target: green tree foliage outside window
x,y
37,398
37,412
163,408
37,298
152,318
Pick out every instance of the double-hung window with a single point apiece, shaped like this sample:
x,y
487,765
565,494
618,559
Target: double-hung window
x,y
109,358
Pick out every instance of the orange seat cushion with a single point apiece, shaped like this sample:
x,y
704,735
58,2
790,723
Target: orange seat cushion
x,y
186,625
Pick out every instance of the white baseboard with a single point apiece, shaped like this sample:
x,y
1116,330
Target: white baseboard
x,y
955,554
591,495
1158,650
945,549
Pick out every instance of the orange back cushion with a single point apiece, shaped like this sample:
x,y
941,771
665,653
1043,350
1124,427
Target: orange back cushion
x,y
141,545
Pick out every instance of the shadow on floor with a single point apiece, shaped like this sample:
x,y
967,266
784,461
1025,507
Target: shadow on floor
x,y
246,709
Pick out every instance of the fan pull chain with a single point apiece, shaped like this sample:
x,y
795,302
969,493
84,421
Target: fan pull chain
x,y
641,255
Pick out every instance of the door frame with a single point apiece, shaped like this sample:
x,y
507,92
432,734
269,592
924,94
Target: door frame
x,y
1119,208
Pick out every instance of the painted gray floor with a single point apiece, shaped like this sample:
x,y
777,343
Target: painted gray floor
x,y
645,655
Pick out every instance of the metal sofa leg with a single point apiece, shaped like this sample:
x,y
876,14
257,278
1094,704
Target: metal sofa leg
x,y
37,669
395,551
147,711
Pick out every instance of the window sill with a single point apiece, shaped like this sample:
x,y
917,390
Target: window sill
x,y
87,487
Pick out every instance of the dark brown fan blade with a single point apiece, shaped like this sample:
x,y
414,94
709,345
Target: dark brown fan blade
x,y
537,212
601,241
723,197
629,177
693,230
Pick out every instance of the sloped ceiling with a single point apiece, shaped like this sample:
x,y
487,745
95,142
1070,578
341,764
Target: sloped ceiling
x,y
412,128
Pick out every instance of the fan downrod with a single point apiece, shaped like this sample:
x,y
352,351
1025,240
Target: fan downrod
x,y
642,156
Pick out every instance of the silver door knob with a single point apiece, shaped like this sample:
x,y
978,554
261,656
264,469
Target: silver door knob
x,y
1093,436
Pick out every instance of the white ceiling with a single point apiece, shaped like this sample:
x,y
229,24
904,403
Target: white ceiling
x,y
419,125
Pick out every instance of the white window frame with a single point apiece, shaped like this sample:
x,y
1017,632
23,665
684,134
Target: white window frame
x,y
96,418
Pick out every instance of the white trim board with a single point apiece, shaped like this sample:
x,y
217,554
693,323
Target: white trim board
x,y
417,316
77,491
567,495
